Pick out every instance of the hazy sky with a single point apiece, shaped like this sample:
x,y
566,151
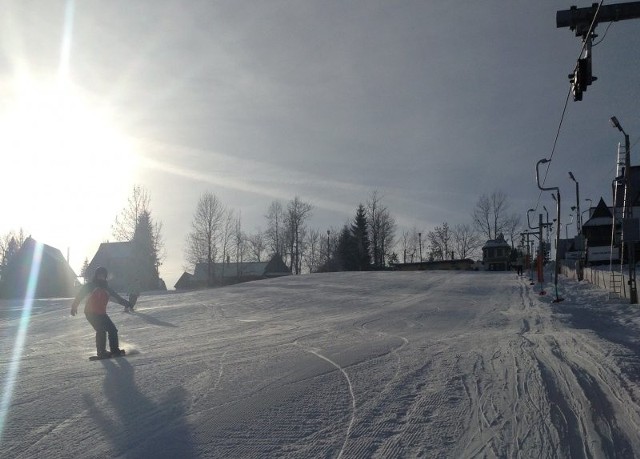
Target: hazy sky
x,y
431,103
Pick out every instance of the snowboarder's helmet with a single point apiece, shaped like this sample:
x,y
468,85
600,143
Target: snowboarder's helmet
x,y
100,272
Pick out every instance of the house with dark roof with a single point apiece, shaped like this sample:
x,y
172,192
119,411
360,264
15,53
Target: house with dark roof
x,y
55,278
128,271
187,282
597,232
232,273
496,254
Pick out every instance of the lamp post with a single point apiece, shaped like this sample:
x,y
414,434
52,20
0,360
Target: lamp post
x,y
566,227
585,211
627,216
547,224
579,239
557,199
530,247
578,222
420,243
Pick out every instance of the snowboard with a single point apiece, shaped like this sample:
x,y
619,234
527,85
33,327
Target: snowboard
x,y
95,357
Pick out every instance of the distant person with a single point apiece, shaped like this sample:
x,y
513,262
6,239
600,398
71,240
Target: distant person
x,y
95,310
134,293
519,265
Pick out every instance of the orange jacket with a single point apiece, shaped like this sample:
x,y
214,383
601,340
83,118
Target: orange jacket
x,y
97,301
98,296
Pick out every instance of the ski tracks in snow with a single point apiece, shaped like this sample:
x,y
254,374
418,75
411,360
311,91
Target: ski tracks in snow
x,y
353,396
547,390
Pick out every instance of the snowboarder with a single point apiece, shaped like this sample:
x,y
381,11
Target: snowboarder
x,y
134,293
95,310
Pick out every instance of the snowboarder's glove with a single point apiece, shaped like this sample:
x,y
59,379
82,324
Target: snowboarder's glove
x,y
74,311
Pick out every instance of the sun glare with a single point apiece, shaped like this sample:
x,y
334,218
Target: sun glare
x,y
63,153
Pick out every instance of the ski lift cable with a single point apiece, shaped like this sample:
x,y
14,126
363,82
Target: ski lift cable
x,y
566,103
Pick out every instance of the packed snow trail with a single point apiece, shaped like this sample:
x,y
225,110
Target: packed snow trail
x,y
419,364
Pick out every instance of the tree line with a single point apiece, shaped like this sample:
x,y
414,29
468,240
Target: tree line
x,y
367,241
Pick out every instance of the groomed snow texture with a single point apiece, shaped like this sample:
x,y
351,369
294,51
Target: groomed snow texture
x,y
352,365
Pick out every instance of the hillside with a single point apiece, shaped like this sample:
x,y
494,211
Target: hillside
x,y
417,364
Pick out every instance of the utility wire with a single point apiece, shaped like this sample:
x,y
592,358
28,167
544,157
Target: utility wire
x,y
604,35
566,102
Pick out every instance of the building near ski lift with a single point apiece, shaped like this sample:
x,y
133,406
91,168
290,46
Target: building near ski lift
x,y
496,254
129,269
597,232
54,278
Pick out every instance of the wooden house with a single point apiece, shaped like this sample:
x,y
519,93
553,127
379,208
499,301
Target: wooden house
x,y
597,232
55,278
496,254
128,272
232,273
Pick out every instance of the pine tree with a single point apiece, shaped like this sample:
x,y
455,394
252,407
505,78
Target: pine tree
x,y
362,257
145,254
84,271
347,250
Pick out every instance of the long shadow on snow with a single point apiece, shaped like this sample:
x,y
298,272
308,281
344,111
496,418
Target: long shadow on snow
x,y
143,428
152,320
604,324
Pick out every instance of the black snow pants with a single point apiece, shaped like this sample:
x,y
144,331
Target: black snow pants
x,y
103,325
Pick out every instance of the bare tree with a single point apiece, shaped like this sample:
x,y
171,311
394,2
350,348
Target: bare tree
x,y
382,229
490,216
404,244
298,212
410,245
206,227
513,227
256,246
226,238
125,225
239,241
373,215
313,256
439,242
158,245
275,228
465,241
387,235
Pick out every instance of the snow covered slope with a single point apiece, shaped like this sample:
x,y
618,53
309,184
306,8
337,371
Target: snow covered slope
x,y
422,364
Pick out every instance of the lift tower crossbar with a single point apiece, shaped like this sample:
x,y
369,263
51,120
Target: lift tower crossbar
x,y
580,19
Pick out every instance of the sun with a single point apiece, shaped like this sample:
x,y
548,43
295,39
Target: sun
x,y
63,156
